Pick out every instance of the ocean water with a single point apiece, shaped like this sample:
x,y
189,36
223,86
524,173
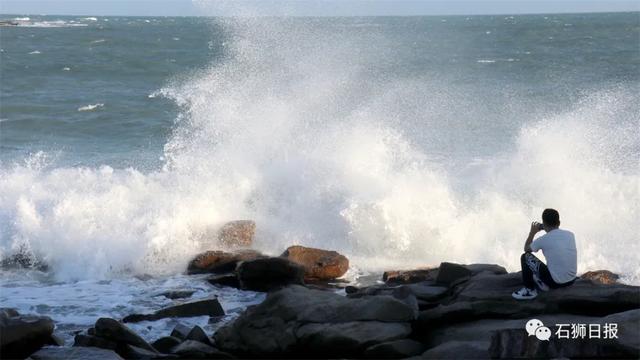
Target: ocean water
x,y
399,141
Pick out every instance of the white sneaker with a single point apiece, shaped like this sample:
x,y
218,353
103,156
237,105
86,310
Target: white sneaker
x,y
525,294
541,285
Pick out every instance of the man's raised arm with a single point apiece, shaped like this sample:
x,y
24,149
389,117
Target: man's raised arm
x,y
535,227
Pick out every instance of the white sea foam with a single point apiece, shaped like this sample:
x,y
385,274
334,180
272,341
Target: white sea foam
x,y
90,107
77,305
66,68
21,19
98,41
91,18
51,24
486,61
35,52
289,133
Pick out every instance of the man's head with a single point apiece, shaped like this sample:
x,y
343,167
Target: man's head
x,y
550,219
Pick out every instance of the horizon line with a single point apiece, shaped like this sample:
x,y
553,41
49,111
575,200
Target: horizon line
x,y
333,16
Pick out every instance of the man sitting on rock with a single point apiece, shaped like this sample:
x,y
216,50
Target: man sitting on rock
x,y
558,247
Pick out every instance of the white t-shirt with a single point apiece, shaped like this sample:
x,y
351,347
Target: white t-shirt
x,y
559,248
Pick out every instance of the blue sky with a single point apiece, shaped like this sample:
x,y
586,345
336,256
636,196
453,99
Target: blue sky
x,y
308,7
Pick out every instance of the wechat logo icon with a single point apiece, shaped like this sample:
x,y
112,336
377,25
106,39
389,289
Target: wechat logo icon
x,y
536,328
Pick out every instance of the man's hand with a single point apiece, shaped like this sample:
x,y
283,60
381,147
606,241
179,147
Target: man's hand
x,y
535,228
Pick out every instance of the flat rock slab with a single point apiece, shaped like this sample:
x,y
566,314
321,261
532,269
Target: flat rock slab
x,y
210,307
487,296
75,353
583,297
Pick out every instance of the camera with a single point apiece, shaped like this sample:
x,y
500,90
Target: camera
x,y
540,226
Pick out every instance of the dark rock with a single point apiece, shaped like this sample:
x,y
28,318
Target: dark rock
x,y
515,342
269,274
166,343
180,331
56,340
448,273
75,353
318,264
24,260
396,277
22,335
348,338
394,349
113,330
458,350
604,277
138,353
219,262
426,291
488,268
489,296
191,349
94,341
209,307
177,294
230,280
237,233
430,274
197,334
296,318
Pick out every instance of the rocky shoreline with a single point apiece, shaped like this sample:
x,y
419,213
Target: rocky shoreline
x,y
452,311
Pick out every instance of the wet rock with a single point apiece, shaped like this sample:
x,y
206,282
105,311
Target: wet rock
x,y
177,294
115,331
269,274
394,349
209,307
191,349
515,343
237,233
180,331
94,341
455,349
21,335
219,262
448,273
197,334
604,277
230,280
166,343
301,321
318,264
396,277
75,353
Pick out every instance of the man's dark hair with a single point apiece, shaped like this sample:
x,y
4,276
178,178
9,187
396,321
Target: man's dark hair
x,y
551,217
